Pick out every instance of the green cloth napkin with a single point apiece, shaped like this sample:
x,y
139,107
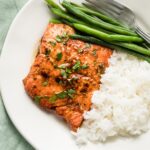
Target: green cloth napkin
x,y
10,139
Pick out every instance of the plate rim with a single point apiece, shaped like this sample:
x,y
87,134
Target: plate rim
x,y
1,63
31,142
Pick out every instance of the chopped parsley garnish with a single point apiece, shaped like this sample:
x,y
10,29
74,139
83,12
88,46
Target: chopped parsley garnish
x,y
47,52
62,95
87,45
37,99
64,74
59,56
62,38
68,70
84,66
66,40
95,63
80,50
76,67
63,66
45,83
64,35
53,43
53,98
94,52
70,92
59,38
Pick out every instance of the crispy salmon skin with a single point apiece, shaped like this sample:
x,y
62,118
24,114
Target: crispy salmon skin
x,y
65,73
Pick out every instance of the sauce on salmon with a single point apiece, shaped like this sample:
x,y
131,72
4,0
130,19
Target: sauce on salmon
x,y
65,73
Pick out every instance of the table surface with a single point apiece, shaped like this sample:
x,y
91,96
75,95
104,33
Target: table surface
x,y
10,138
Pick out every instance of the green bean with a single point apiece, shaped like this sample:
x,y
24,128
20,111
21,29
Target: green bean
x,y
68,19
105,36
53,20
59,20
92,40
67,22
95,21
97,14
74,4
53,4
66,16
134,47
103,43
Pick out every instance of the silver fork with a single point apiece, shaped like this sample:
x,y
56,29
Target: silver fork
x,y
119,12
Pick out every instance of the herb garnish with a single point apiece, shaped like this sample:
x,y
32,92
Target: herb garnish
x,y
45,83
62,38
53,43
53,99
84,66
37,99
87,45
64,35
59,38
59,56
94,52
66,70
76,67
95,63
64,73
80,50
63,66
71,92
62,95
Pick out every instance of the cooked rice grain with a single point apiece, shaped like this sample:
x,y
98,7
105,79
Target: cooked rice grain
x,y
122,105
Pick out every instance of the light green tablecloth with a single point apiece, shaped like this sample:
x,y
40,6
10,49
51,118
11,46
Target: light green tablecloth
x,y
10,139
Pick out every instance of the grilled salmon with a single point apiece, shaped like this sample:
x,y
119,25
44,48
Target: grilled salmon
x,y
65,73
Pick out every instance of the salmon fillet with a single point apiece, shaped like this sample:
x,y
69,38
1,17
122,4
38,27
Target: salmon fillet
x,y
65,73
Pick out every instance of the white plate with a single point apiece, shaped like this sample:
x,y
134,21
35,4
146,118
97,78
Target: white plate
x,y
45,131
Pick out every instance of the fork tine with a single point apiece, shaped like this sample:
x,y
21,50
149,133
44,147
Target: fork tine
x,y
146,45
95,1
110,2
111,8
141,33
118,5
144,36
105,4
102,10
108,12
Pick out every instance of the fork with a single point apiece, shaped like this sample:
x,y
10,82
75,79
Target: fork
x,y
119,12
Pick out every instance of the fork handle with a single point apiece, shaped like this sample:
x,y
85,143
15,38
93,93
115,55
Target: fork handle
x,y
144,35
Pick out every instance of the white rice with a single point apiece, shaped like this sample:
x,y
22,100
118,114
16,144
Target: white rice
x,y
122,105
